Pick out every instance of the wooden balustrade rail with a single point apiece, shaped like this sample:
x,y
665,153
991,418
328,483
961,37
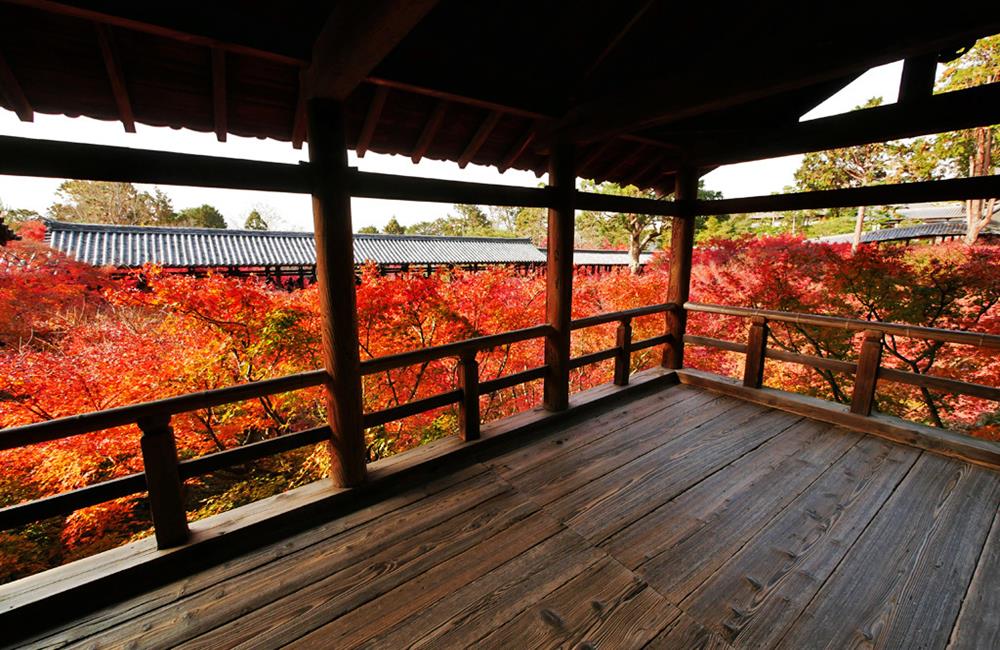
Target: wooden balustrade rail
x,y
164,474
867,371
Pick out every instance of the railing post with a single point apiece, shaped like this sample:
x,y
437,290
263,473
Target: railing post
x,y
468,408
753,370
869,361
559,277
623,359
331,199
681,251
166,498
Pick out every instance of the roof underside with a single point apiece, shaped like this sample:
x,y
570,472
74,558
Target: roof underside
x,y
632,82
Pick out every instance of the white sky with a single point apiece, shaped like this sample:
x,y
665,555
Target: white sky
x,y
747,179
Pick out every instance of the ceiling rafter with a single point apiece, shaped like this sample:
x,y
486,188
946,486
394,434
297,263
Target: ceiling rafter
x,y
480,137
430,130
116,77
220,109
371,120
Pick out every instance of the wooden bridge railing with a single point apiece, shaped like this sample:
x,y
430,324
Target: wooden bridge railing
x,y
867,370
164,474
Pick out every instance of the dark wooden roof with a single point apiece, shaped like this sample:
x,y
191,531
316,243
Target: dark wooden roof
x,y
494,83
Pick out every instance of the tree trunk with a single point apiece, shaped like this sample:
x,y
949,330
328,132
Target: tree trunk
x,y
859,226
634,252
979,213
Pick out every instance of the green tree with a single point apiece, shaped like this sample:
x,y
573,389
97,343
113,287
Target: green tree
x,y
393,227
842,168
638,232
12,216
368,230
972,152
203,216
255,221
113,203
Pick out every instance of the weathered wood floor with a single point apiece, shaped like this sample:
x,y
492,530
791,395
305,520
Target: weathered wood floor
x,y
683,519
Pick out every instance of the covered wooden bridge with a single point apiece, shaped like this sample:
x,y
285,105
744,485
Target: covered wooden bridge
x,y
672,508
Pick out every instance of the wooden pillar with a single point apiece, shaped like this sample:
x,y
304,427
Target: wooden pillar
x,y
681,250
753,370
869,361
166,498
331,200
468,408
559,277
623,358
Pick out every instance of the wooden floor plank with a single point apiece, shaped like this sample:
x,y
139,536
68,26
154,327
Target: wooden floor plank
x,y
460,613
238,596
753,598
902,583
564,439
603,507
682,512
713,521
368,578
409,599
607,606
562,474
978,623
563,477
188,586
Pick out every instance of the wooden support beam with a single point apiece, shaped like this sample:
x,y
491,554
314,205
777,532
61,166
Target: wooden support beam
x,y
51,159
12,90
954,189
477,141
623,163
357,36
116,77
559,277
129,15
866,379
753,368
653,102
681,252
917,81
595,156
166,499
953,111
335,275
468,408
430,130
645,176
515,152
219,109
371,121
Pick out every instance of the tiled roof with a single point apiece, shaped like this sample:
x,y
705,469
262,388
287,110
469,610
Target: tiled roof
x,y
923,231
135,246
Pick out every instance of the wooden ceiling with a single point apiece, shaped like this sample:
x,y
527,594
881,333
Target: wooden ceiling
x,y
638,84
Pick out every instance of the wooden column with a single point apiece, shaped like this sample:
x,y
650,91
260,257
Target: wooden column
x,y
866,378
681,250
331,200
559,277
753,370
623,359
468,408
166,498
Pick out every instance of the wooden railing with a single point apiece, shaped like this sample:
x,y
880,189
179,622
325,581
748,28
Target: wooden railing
x,y
867,370
164,474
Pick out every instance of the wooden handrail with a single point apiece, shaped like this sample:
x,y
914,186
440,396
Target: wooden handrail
x,y
977,339
621,316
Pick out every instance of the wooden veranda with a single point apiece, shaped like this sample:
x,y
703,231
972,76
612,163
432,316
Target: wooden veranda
x,y
641,512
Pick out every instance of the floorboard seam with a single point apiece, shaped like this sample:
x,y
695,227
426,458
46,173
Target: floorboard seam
x,y
972,577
